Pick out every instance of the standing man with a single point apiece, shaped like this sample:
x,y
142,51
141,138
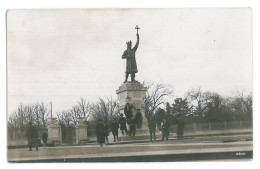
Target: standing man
x,y
139,118
165,129
114,128
180,126
152,127
106,131
129,55
132,126
128,112
122,122
100,133
32,136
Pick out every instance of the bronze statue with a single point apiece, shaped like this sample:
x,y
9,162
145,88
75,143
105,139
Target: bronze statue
x,y
129,55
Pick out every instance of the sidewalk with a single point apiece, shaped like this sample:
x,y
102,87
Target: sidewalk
x,y
156,151
219,132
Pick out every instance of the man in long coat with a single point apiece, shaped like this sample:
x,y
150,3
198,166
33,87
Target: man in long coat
x,y
106,131
180,126
152,128
132,126
165,129
128,112
32,136
129,55
139,118
114,128
100,133
122,122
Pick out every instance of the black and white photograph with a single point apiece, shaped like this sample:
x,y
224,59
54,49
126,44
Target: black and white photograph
x,y
129,85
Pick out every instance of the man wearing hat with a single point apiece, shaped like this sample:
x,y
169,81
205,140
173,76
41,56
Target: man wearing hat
x,y
32,136
152,127
122,123
100,132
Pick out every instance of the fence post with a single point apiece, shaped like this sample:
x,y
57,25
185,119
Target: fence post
x,y
241,124
225,124
209,125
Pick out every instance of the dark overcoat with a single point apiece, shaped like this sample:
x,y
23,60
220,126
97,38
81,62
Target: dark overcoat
x,y
139,116
114,128
128,112
122,122
32,134
165,128
152,125
100,133
180,126
106,130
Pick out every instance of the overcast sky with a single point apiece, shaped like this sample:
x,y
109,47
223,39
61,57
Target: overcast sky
x,y
59,56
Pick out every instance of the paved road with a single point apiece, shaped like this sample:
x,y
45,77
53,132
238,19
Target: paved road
x,y
172,150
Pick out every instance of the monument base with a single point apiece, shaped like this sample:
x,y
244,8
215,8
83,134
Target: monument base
x,y
133,93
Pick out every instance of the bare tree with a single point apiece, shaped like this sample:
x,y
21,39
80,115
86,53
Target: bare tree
x,y
44,115
83,109
13,120
155,96
36,113
64,117
80,110
246,104
105,110
21,116
197,96
74,114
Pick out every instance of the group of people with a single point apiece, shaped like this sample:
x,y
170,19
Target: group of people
x,y
102,129
133,122
164,128
136,120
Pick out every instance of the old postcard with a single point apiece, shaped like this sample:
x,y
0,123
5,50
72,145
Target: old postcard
x,y
129,85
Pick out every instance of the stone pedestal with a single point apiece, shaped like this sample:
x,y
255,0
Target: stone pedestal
x,y
81,132
134,94
54,133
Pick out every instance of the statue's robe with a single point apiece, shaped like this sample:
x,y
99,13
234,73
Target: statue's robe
x,y
129,55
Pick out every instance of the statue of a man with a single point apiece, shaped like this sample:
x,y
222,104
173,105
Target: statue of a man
x,y
129,55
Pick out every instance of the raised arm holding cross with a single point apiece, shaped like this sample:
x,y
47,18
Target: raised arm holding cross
x,y
137,28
